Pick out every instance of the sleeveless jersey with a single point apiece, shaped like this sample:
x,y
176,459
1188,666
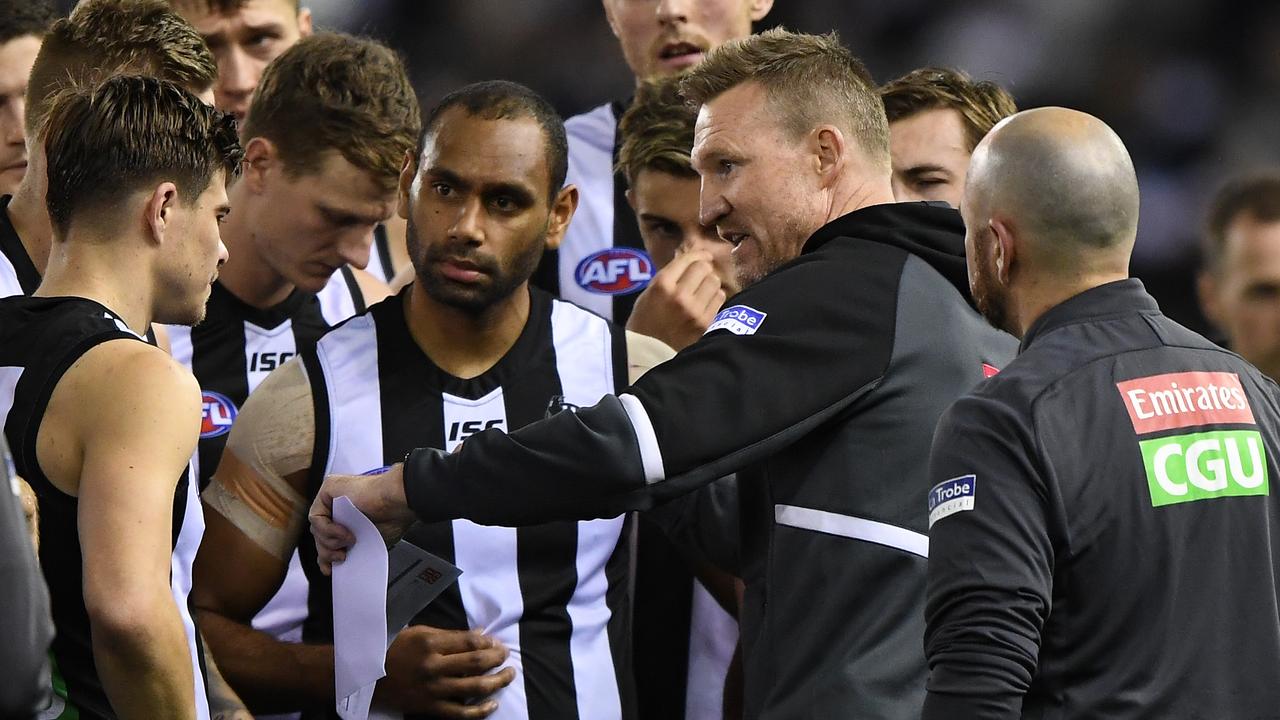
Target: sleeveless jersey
x,y
602,266
40,338
230,353
555,594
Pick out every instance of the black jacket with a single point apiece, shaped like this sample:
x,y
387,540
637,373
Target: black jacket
x,y
821,385
1104,539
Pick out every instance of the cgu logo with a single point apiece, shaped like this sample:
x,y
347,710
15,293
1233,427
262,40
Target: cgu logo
x,y
218,413
615,271
268,361
464,429
1198,466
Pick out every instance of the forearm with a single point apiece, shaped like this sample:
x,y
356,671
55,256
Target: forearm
x,y
223,701
269,675
144,664
536,474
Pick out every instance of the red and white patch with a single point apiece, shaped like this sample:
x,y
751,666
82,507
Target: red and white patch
x,y
989,370
1187,399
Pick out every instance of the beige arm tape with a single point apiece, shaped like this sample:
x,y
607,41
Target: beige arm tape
x,y
271,439
643,352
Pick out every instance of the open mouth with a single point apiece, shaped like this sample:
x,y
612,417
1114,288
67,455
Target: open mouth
x,y
734,238
678,52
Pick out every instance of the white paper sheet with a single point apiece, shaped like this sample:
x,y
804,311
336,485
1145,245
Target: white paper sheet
x,y
359,614
368,612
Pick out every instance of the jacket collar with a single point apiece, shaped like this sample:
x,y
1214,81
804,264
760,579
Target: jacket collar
x,y
1122,297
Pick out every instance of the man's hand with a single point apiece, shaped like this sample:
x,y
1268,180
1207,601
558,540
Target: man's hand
x,y
379,497
437,672
681,301
30,510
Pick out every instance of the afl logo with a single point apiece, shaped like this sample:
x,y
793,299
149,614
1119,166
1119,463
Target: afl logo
x,y
615,271
219,413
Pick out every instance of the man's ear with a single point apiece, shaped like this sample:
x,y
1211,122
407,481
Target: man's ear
x,y
408,171
1006,249
561,213
261,159
760,8
159,211
305,27
631,198
826,146
1207,288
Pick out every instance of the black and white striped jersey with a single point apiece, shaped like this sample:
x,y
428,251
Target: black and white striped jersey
x,y
237,345
232,351
381,264
601,263
40,338
18,274
555,594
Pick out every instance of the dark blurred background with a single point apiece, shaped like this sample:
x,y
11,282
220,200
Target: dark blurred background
x,y
1193,87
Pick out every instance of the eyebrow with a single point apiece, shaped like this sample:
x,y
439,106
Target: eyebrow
x,y
348,217
266,26
654,217
518,192
916,170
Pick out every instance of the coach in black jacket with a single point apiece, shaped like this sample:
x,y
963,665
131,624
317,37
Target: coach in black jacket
x,y
820,384
1105,542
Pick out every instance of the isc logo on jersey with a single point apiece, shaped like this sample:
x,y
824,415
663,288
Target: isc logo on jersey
x,y
1199,465
615,271
218,414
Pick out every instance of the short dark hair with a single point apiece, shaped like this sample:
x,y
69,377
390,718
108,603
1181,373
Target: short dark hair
x,y
125,134
19,18
337,92
980,103
505,100
808,79
117,37
657,131
1255,196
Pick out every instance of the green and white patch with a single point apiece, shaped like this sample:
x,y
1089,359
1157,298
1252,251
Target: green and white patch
x,y
1204,465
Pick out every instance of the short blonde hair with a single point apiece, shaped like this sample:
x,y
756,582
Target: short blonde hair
x,y
337,92
117,37
810,80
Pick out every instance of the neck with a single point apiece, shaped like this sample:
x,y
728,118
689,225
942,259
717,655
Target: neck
x,y
107,270
858,193
30,218
247,274
1046,294
461,343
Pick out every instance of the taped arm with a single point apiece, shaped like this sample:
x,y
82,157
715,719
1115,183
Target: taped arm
x,y
724,402
255,511
990,567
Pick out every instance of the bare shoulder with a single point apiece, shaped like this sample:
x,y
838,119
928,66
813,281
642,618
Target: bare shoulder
x,y
122,400
643,353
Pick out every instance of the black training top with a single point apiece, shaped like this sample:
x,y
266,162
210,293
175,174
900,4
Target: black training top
x,y
821,386
1104,539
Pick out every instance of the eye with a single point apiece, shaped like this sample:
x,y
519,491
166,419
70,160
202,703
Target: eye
x,y
504,203
442,189
726,166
